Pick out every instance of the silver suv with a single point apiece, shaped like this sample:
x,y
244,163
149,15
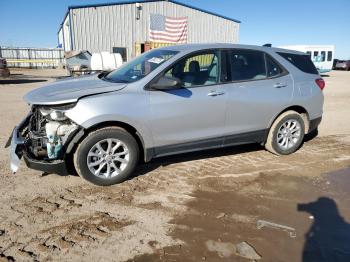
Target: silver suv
x,y
167,101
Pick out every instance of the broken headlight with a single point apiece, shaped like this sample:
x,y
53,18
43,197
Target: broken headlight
x,y
56,113
50,128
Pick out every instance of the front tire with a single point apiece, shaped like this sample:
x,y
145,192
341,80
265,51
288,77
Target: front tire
x,y
286,134
107,156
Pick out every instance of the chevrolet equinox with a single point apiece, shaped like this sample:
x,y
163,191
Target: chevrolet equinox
x,y
168,101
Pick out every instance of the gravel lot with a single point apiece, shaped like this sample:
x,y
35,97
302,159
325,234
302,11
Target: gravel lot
x,y
191,207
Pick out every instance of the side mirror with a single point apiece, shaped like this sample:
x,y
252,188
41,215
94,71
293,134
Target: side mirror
x,y
166,83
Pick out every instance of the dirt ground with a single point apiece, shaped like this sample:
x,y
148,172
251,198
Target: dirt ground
x,y
192,207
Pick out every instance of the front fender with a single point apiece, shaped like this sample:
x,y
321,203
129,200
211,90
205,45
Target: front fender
x,y
129,108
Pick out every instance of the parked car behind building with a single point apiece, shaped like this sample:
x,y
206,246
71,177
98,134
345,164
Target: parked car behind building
x,y
343,65
4,71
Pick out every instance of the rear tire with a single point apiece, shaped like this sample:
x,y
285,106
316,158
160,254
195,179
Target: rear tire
x,y
286,134
107,156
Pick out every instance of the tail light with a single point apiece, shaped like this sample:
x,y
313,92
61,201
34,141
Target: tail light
x,y
320,82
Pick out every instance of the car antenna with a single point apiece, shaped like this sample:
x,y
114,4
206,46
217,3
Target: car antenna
x,y
267,45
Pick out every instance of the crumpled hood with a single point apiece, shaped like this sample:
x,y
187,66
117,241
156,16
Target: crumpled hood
x,y
70,90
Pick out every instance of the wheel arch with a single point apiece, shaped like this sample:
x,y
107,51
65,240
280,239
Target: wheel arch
x,y
145,154
299,109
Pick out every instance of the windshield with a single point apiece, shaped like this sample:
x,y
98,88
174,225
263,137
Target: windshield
x,y
140,67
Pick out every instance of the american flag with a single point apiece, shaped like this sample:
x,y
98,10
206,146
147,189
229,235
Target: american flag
x,y
168,29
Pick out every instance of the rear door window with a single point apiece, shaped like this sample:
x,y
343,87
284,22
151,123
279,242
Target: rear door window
x,y
272,68
246,65
302,62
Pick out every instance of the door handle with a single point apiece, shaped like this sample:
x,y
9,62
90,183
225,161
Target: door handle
x,y
216,93
279,85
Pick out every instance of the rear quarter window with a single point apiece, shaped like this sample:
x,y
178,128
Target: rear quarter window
x,y
302,62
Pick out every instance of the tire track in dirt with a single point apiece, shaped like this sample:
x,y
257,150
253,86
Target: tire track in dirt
x,y
82,221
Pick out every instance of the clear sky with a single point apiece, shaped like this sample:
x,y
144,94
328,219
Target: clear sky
x,y
34,23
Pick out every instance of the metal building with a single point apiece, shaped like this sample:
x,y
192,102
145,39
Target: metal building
x,y
124,26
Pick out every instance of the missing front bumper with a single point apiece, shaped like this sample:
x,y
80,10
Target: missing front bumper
x,y
17,151
18,143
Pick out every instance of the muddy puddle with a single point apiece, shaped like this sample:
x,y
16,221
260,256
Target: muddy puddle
x,y
317,208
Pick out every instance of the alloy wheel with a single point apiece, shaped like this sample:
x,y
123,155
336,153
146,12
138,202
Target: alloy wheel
x,y
108,158
288,134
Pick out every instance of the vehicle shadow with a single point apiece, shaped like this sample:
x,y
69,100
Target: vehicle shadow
x,y
20,81
328,238
145,168
308,137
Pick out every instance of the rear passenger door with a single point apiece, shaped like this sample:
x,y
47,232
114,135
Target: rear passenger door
x,y
258,88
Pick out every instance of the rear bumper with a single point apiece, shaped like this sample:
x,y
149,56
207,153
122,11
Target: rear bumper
x,y
314,123
342,67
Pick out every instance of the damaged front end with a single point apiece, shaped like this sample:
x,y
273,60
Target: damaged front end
x,y
42,139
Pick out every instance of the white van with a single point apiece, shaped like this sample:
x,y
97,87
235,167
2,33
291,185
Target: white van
x,y
321,55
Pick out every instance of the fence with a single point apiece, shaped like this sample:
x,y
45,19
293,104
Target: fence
x,y
32,57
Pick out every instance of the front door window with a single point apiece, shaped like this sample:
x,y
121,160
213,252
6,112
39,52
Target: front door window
x,y
197,70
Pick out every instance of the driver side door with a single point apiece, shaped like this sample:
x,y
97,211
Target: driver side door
x,y
191,117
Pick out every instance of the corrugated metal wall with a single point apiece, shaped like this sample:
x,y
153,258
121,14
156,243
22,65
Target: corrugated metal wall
x,y
32,57
100,28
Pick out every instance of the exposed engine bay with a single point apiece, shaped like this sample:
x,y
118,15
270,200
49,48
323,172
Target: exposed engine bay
x,y
47,132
